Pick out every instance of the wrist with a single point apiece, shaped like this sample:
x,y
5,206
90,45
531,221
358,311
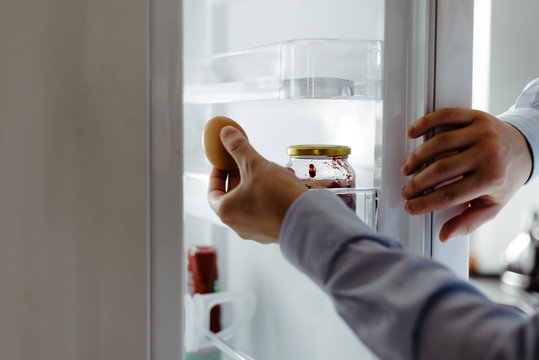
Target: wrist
x,y
525,120
521,149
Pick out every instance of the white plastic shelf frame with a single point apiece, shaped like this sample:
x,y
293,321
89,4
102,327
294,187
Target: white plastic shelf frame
x,y
293,69
365,201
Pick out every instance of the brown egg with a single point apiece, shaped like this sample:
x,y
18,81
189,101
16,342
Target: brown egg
x,y
215,151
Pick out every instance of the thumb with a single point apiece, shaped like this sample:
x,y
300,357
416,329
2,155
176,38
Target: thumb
x,y
237,145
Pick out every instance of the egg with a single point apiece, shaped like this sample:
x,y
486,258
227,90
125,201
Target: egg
x,y
213,147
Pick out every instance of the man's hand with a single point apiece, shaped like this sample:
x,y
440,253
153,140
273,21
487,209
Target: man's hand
x,y
257,196
481,162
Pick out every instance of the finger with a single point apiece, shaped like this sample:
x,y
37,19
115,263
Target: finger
x,y
442,117
459,192
479,212
238,147
233,180
439,172
216,187
436,146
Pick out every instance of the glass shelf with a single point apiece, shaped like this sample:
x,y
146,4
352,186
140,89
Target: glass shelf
x,y
293,69
365,203
195,188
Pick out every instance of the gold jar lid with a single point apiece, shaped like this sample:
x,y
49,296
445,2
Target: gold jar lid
x,y
320,150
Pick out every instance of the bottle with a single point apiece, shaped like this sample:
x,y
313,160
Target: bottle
x,y
324,166
202,279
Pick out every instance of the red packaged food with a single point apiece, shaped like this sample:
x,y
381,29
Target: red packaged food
x,y
202,278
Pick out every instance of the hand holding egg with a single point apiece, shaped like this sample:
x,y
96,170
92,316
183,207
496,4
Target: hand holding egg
x,y
253,198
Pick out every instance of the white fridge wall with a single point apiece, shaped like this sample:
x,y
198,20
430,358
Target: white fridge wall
x,y
279,20
219,25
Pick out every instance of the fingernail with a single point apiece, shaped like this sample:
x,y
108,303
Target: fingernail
x,y
228,131
411,130
404,194
404,169
409,208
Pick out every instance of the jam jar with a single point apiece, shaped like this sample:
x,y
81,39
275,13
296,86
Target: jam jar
x,y
324,166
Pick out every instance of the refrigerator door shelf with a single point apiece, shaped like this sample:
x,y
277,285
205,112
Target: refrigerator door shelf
x,y
292,69
197,316
365,201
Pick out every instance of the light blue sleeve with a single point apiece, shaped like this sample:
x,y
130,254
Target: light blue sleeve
x,y
402,306
524,115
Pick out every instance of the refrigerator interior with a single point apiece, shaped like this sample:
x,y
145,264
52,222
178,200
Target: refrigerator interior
x,y
289,72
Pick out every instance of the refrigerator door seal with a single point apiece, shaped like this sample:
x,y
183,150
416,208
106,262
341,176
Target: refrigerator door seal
x,y
165,256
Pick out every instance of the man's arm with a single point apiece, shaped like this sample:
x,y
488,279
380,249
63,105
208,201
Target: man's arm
x,y
402,306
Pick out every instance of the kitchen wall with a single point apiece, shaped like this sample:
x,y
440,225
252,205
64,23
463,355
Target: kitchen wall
x,y
514,61
73,179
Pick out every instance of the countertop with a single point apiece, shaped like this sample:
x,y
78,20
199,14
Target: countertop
x,y
498,292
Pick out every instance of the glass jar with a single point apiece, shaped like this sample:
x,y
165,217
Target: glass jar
x,y
324,166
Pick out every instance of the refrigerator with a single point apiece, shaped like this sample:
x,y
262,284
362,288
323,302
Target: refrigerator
x,y
347,72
